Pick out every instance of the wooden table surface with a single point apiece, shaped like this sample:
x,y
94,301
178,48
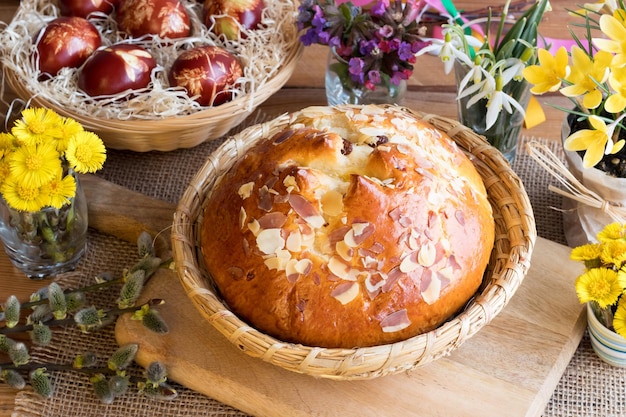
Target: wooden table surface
x,y
430,90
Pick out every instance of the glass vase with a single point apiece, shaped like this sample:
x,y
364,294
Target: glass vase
x,y
46,242
504,134
340,89
608,345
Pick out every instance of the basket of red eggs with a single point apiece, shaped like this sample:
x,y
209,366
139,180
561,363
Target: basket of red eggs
x,y
151,75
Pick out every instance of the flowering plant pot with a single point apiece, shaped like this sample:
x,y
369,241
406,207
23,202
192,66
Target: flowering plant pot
x,y
582,221
601,286
491,93
340,89
503,133
43,213
372,47
608,345
48,241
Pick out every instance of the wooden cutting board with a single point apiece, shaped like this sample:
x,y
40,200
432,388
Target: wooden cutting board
x,y
510,368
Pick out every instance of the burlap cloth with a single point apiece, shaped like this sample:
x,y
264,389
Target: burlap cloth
x,y
588,386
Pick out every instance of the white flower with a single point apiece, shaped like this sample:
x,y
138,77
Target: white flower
x,y
449,48
480,90
476,74
496,103
513,71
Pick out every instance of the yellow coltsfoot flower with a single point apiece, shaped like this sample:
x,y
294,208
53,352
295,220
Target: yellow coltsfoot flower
x,y
613,231
60,189
37,125
619,319
23,197
600,285
86,152
34,165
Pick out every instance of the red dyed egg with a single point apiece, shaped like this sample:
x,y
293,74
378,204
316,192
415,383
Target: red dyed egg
x,y
83,8
164,18
115,69
66,42
207,73
247,13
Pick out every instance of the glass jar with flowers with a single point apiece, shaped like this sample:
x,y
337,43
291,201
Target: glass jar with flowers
x,y
592,75
488,56
602,286
43,212
372,47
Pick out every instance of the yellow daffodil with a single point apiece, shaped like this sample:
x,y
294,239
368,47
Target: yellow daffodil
x,y
60,189
613,27
619,319
593,141
22,196
549,73
34,165
613,231
601,285
86,152
37,125
585,75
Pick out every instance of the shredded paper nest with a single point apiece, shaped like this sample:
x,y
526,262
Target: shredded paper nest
x,y
262,54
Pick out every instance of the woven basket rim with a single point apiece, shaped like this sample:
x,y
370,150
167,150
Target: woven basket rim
x,y
164,134
510,260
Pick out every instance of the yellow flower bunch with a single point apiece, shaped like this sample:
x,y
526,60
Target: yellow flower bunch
x,y
39,156
604,281
593,76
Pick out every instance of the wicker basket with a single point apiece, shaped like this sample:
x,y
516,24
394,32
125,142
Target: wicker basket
x,y
510,259
145,133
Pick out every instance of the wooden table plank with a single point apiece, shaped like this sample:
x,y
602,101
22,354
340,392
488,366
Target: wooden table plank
x,y
430,91
511,367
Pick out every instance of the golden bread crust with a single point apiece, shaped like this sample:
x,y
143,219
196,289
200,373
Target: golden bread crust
x,y
351,227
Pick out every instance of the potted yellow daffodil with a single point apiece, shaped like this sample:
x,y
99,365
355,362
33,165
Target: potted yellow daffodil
x,y
43,212
592,74
601,286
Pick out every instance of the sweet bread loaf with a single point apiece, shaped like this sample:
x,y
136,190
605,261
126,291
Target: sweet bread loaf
x,y
353,226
